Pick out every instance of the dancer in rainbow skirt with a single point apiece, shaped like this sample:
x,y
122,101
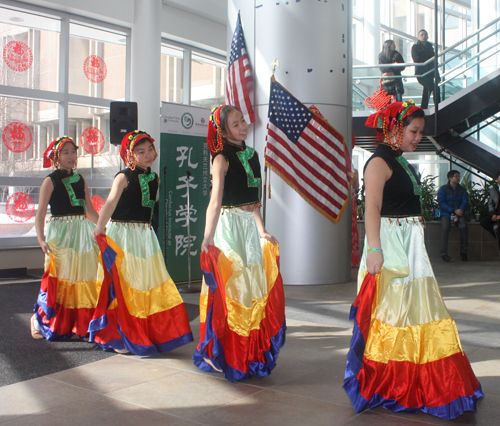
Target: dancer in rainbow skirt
x,y
70,285
242,304
139,308
405,352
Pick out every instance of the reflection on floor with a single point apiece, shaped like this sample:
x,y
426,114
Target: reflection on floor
x,y
304,389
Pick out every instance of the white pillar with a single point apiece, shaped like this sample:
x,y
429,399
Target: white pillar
x,y
146,67
302,35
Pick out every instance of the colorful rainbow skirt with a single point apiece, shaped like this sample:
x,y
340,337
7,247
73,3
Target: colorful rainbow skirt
x,y
139,307
70,284
405,352
242,303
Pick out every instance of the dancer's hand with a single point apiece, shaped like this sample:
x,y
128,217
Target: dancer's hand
x,y
98,231
269,237
45,247
374,262
207,242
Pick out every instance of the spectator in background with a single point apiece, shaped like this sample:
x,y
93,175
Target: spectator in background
x,y
492,222
390,56
421,52
453,201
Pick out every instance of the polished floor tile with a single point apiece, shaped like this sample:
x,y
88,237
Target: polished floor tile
x,y
305,388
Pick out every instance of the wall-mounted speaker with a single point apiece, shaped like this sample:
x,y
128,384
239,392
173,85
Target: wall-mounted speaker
x,y
122,120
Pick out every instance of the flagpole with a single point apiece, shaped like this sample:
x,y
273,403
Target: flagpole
x,y
264,196
275,64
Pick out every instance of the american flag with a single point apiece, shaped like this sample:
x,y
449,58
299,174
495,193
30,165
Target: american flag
x,y
308,153
239,75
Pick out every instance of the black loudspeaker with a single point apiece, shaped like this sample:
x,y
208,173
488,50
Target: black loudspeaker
x,y
122,120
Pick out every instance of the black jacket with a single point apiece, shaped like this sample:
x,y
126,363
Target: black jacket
x,y
395,57
421,53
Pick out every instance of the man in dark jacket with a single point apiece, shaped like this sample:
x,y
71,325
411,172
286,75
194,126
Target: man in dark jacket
x,y
453,201
421,52
492,222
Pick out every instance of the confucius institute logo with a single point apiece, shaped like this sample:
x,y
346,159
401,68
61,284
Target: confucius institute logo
x,y
187,120
17,55
95,69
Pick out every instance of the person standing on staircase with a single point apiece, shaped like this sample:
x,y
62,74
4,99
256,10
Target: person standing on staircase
x,y
422,51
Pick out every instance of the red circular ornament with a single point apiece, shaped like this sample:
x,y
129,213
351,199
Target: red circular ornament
x,y
20,207
94,68
17,55
16,137
97,202
92,140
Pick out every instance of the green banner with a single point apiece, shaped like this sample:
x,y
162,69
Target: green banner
x,y
184,165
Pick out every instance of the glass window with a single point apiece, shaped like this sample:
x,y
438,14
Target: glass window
x,y
425,21
172,68
97,62
208,80
30,50
29,127
89,127
18,207
399,15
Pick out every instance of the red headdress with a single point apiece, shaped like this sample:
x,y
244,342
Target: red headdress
x,y
215,141
389,116
51,154
390,120
129,142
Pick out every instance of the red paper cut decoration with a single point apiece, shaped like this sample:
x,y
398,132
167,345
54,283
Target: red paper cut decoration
x,y
17,55
97,202
17,137
95,69
92,140
20,207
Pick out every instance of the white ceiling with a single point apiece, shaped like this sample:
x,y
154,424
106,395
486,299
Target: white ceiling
x,y
215,10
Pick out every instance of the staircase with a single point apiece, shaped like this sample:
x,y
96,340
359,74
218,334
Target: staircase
x,y
450,127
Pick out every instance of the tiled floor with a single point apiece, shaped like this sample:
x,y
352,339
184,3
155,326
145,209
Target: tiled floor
x,y
304,389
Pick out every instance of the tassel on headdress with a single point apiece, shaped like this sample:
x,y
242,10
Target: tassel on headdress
x,y
215,141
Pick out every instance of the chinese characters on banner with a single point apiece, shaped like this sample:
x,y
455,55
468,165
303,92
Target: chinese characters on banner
x,y
184,166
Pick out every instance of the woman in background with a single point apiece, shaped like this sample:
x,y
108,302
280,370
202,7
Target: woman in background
x,y
391,56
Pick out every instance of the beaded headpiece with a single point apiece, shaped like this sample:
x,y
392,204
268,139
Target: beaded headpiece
x,y
129,142
215,141
390,120
51,154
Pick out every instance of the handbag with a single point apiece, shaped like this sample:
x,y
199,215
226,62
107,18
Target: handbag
x,y
388,84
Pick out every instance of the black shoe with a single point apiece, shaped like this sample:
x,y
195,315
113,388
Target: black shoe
x,y
464,257
446,258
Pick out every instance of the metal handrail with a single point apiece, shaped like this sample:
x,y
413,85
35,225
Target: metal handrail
x,y
433,59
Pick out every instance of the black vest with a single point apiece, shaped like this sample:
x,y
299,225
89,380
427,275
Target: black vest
x,y
242,183
401,195
136,204
68,197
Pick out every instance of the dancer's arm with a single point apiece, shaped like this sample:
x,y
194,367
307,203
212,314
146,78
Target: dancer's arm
x,y
91,211
119,184
219,170
262,229
377,173
43,201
